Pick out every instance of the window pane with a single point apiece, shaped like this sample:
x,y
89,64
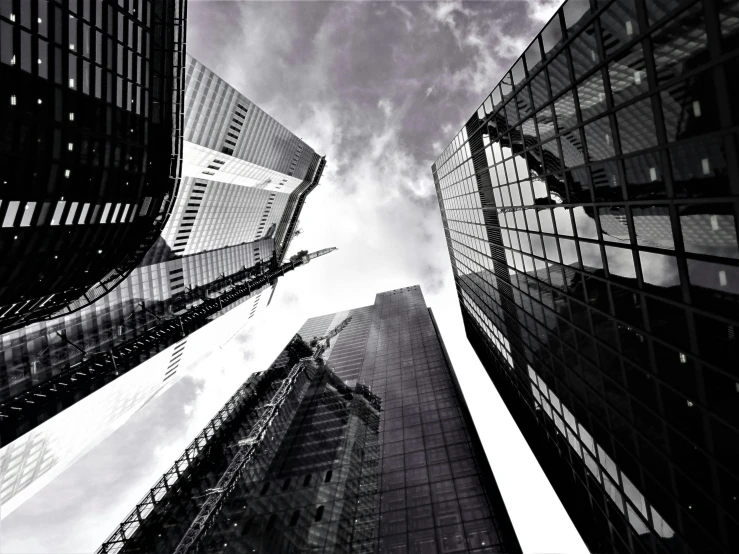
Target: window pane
x,y
699,168
28,213
10,213
636,127
592,96
628,75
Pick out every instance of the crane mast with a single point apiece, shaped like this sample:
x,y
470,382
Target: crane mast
x,y
249,445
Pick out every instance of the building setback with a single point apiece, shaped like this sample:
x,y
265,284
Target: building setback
x,y
230,223
372,449
91,120
590,210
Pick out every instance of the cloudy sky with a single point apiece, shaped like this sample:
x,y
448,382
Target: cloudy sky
x,y
380,89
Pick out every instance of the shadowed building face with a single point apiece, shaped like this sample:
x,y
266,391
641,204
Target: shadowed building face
x,y
590,210
373,449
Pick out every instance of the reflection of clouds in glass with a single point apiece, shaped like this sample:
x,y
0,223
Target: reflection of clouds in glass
x,y
569,251
620,262
591,255
564,223
659,270
585,224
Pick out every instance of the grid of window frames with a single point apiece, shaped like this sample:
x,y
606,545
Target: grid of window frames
x,y
385,460
590,208
87,113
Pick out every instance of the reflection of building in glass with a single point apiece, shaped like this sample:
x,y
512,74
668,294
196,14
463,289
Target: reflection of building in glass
x,y
229,225
371,450
590,213
92,143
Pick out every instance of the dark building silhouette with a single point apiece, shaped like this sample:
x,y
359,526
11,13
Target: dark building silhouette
x,y
590,210
371,450
90,146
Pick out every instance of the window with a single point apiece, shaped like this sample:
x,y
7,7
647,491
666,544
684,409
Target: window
x,y
83,213
104,218
57,217
10,213
71,214
636,126
28,214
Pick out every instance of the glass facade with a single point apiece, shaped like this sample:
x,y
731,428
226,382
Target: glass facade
x,y
91,127
371,450
228,225
40,455
590,210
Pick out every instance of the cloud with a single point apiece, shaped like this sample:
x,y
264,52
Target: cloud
x,y
543,10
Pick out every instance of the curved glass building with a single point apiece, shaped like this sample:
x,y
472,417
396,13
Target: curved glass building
x,y
90,146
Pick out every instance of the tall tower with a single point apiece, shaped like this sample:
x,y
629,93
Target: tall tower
x,y
224,245
91,120
359,442
590,210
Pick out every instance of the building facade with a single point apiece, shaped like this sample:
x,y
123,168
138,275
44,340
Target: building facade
x,y
228,225
38,456
371,450
590,210
91,119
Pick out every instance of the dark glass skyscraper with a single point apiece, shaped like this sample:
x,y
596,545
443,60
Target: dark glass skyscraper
x,y
369,448
244,178
90,146
590,209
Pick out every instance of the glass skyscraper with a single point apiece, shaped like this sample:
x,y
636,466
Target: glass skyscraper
x,y
91,127
590,210
244,180
369,448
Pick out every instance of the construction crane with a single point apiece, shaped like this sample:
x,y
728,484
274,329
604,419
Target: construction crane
x,y
27,409
324,342
249,445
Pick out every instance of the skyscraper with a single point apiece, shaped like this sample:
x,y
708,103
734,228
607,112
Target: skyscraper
x,y
91,126
229,226
589,207
361,442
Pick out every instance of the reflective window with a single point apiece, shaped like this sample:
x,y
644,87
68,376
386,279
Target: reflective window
x,y
584,51
636,127
644,176
564,107
600,139
628,75
699,168
592,96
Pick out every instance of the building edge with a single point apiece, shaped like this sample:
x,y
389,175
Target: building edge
x,y
504,524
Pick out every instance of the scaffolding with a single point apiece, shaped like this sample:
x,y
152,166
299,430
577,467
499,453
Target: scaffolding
x,y
248,447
